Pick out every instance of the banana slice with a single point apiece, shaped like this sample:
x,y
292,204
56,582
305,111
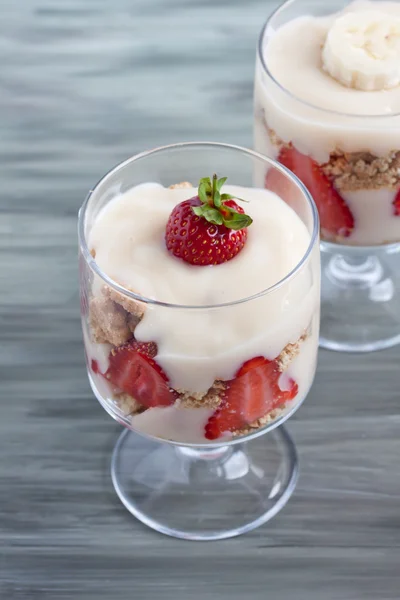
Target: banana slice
x,y
362,50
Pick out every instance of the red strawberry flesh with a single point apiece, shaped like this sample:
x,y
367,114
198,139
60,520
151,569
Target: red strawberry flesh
x,y
133,370
253,393
396,204
335,216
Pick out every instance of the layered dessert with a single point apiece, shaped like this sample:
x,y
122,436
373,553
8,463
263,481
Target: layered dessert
x,y
180,339
327,106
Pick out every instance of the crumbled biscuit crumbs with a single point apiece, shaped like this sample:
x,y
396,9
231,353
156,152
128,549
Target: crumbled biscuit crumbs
x,y
108,321
133,321
363,171
182,184
290,352
127,404
210,399
134,307
275,140
352,171
265,420
96,332
93,252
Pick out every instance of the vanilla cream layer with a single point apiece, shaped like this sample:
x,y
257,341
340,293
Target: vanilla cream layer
x,y
293,56
198,346
373,212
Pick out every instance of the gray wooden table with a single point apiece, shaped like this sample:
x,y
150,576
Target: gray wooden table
x,y
84,84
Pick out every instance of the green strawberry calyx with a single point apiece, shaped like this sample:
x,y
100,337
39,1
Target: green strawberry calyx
x,y
213,205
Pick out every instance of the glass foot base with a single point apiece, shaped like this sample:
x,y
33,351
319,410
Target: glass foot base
x,y
199,494
360,309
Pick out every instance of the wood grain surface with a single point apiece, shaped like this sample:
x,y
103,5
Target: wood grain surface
x,y
84,84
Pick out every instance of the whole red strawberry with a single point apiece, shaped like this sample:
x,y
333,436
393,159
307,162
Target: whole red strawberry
x,y
208,229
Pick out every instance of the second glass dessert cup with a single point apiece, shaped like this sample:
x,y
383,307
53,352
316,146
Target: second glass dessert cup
x,y
348,163
166,469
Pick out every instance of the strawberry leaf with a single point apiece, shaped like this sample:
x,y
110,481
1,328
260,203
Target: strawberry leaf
x,y
204,191
220,183
237,221
207,182
198,210
212,206
212,215
230,197
217,199
216,196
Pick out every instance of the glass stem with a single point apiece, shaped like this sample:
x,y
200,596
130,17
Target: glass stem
x,y
356,271
212,454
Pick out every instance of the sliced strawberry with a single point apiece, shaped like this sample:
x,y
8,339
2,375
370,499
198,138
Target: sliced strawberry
x,y
335,216
133,370
94,365
252,394
396,204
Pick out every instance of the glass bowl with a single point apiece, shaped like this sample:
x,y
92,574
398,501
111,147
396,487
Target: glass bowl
x,y
353,158
171,468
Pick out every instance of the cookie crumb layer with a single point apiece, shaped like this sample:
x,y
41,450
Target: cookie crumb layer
x,y
211,399
290,352
128,405
133,307
113,317
353,171
363,171
108,321
259,423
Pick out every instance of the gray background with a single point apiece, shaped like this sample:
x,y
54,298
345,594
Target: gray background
x,y
83,84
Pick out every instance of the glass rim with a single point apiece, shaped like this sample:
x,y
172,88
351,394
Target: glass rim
x,y
91,262
288,93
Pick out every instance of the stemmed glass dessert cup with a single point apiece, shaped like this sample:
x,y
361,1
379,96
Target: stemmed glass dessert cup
x,y
349,159
170,468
